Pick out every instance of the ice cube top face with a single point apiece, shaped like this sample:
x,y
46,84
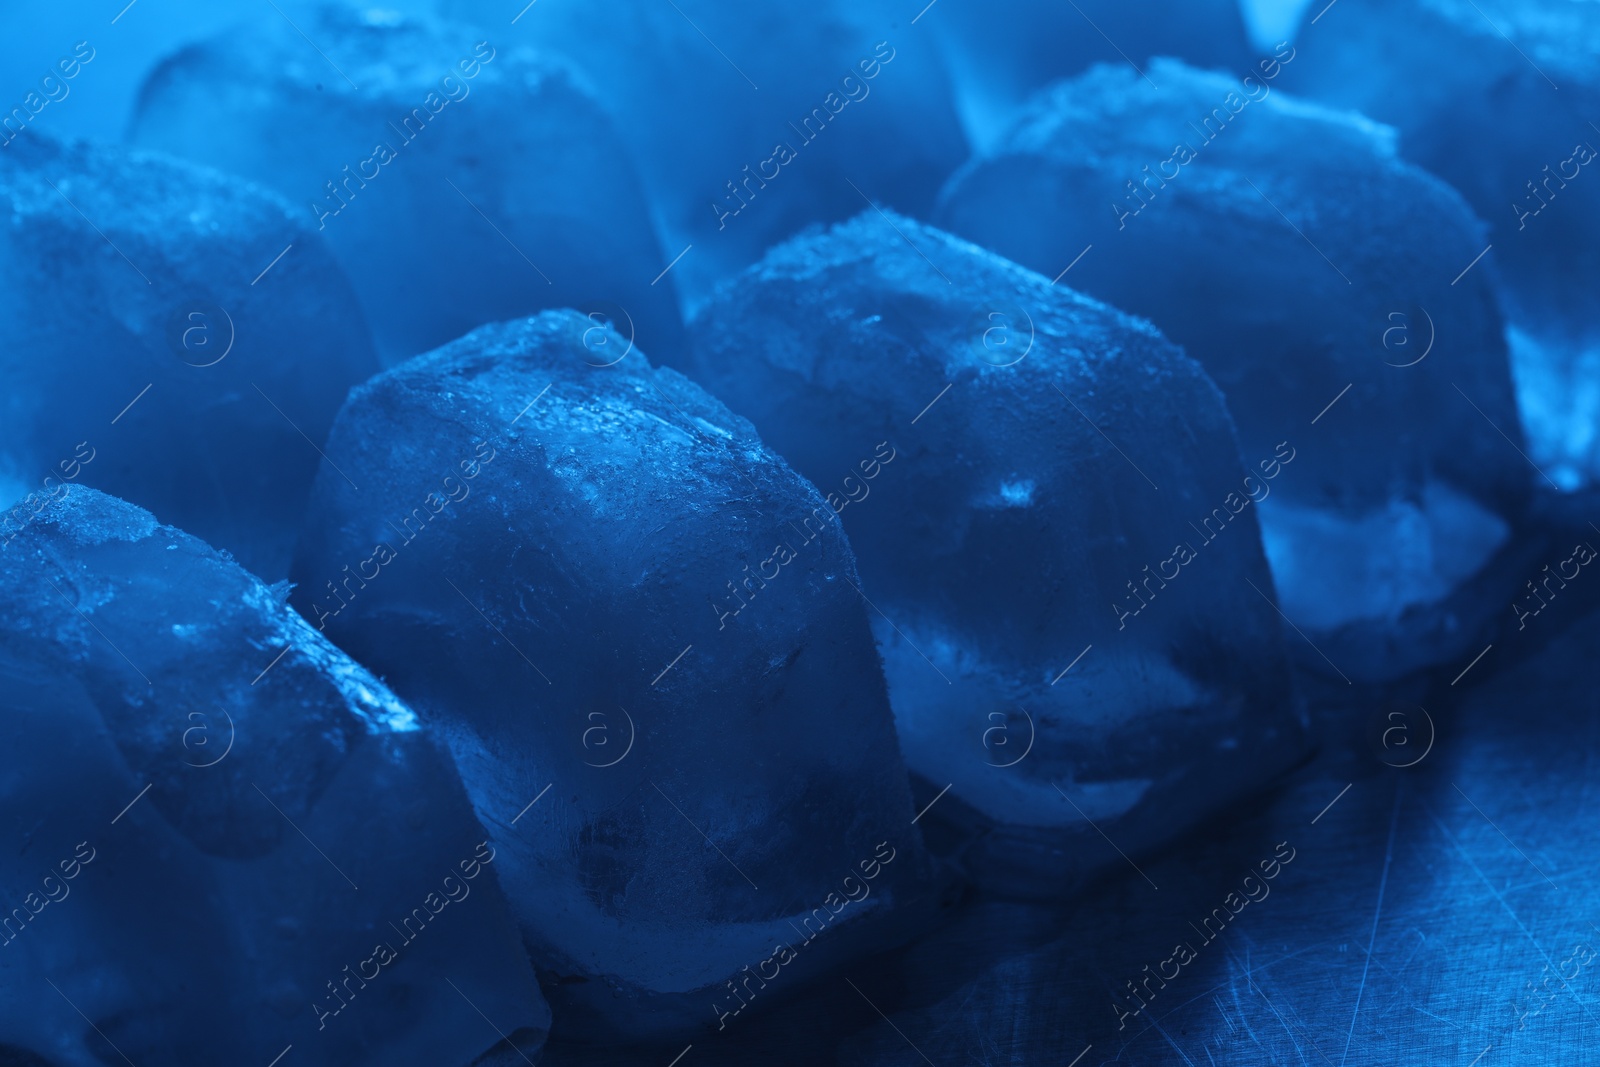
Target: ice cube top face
x,y
639,632
1000,51
460,178
809,101
1288,250
182,341
1049,508
189,762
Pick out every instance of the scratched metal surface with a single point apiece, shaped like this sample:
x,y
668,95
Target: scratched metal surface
x,y
1443,913
1440,914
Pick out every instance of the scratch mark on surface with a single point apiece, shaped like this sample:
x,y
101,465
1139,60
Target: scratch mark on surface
x,y
1503,834
1314,1047
1225,1016
1377,913
1157,1024
1298,1051
1229,984
1401,989
1441,1018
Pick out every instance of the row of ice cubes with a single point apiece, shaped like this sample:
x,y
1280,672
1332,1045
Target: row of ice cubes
x,y
682,704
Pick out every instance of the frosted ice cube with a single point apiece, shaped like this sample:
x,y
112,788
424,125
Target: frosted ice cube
x,y
1320,280
171,335
190,764
1018,467
637,629
1500,98
458,180
751,121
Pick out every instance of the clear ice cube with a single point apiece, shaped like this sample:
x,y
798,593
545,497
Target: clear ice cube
x,y
637,629
1050,512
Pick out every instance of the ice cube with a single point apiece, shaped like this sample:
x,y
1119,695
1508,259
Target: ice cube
x,y
1500,98
459,180
1050,512
190,764
171,335
1321,281
750,122
638,631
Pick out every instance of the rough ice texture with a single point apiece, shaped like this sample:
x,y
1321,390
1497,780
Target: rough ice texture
x,y
1001,51
1293,254
1529,71
459,181
132,656
1049,453
559,564
126,269
849,94
169,637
